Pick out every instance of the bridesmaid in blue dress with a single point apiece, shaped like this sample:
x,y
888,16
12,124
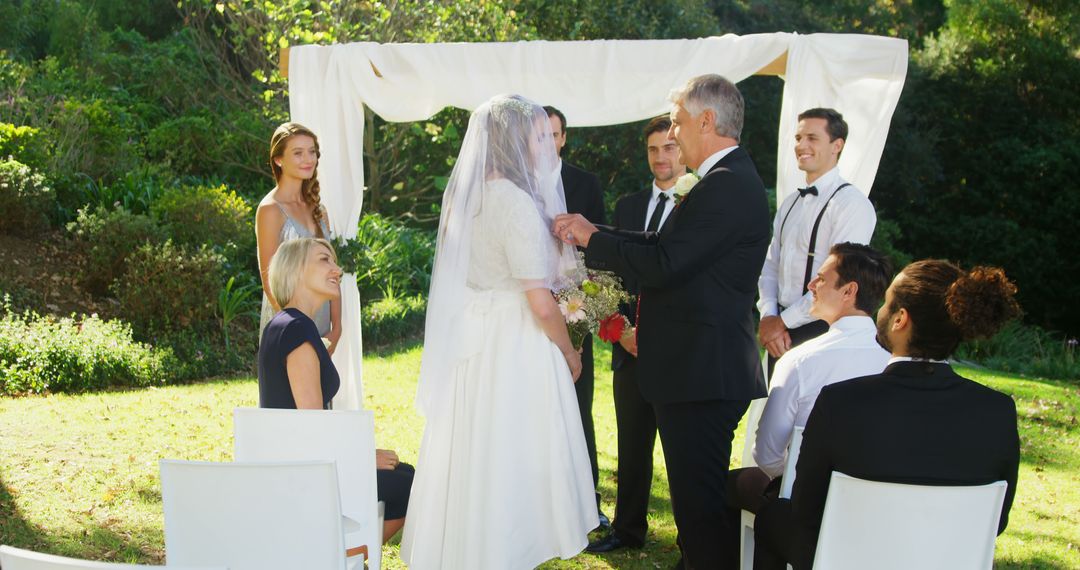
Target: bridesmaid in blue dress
x,y
290,211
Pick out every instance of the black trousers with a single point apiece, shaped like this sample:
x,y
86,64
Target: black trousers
x,y
636,425
584,389
802,334
697,449
393,487
777,540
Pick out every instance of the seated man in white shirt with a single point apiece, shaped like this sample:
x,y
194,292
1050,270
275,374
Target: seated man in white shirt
x,y
847,290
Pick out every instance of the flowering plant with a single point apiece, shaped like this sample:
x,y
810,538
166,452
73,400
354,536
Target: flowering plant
x,y
684,185
589,303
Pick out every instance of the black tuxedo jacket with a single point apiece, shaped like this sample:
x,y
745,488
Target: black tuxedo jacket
x,y
698,280
916,423
630,213
583,193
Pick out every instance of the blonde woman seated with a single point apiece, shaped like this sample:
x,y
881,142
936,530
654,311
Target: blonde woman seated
x,y
295,370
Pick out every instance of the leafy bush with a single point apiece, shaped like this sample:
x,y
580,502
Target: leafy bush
x,y
203,354
389,258
393,319
203,214
167,287
109,237
96,137
22,144
25,199
39,354
1026,349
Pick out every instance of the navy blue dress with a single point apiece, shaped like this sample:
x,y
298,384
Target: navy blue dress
x,y
285,332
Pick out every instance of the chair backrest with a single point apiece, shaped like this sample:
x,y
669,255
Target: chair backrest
x,y
344,436
753,418
869,524
18,559
253,515
788,478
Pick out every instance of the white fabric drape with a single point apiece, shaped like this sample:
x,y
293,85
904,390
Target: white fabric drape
x,y
860,76
594,83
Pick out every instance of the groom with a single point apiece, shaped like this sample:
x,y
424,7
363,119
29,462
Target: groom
x,y
697,354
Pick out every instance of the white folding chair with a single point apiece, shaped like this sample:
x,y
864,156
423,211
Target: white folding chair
x,y
18,559
251,516
869,524
345,437
786,481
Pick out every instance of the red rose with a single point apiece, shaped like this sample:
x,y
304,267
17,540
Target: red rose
x,y
612,327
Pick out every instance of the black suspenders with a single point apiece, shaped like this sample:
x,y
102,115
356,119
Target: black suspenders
x,y
813,235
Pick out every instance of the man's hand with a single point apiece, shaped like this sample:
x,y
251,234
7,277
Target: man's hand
x,y
573,229
774,336
629,341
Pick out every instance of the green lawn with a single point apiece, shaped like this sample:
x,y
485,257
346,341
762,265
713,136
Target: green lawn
x,y
79,474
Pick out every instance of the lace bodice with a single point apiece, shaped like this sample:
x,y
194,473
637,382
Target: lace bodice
x,y
511,248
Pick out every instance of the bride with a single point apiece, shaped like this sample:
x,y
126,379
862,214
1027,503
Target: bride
x,y
503,479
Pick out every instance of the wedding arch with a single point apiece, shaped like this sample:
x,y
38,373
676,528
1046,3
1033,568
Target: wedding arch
x,y
594,83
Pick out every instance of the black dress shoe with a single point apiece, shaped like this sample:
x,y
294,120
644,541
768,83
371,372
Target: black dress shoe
x,y
609,543
605,523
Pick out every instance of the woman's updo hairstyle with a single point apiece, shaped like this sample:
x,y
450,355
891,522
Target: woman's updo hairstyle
x,y
949,305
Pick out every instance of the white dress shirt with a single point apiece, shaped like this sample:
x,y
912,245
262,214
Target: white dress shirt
x,y
715,157
849,217
669,204
848,350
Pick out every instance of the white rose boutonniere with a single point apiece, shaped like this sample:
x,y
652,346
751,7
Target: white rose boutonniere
x,y
684,185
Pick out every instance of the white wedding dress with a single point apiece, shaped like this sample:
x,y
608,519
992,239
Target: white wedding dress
x,y
503,480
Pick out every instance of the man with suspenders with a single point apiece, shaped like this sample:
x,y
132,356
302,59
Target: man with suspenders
x,y
808,222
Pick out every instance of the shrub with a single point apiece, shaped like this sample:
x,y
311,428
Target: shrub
x,y
97,138
203,354
39,354
167,287
22,144
393,319
203,214
1025,349
389,257
25,200
109,237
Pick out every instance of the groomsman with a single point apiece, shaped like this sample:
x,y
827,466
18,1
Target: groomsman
x,y
698,360
583,196
645,210
827,211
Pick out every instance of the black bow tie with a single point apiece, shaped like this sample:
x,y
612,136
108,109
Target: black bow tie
x,y
808,190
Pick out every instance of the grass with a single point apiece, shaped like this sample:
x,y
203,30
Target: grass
x,y
79,473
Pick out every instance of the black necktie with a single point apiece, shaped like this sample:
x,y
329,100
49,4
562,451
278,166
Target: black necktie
x,y
657,213
808,190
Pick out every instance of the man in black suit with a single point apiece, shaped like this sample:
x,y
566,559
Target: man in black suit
x,y
918,422
697,353
583,196
634,418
